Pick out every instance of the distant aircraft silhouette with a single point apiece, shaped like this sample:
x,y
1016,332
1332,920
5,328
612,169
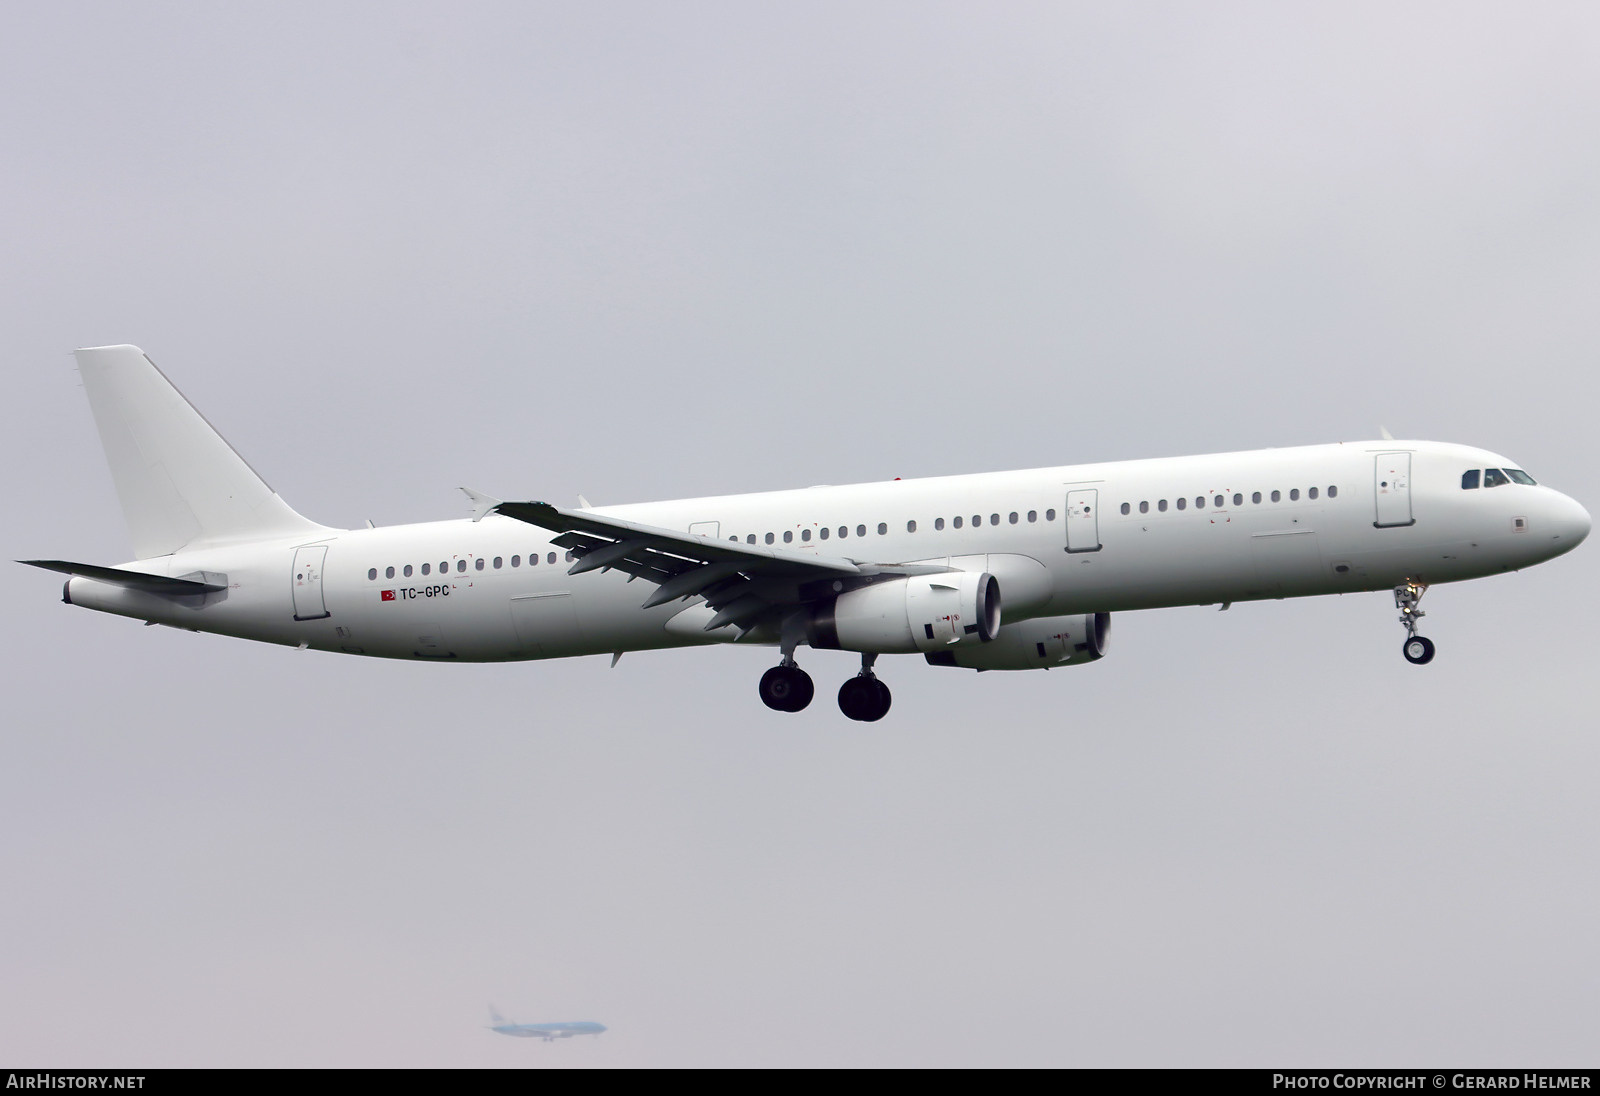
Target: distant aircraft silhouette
x,y
547,1032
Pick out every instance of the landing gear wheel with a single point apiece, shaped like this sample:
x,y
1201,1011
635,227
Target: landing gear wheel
x,y
1418,650
786,688
885,698
857,698
864,699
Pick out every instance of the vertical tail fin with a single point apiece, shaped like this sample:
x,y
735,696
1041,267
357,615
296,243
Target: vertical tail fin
x,y
181,485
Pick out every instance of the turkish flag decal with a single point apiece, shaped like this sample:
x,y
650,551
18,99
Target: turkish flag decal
x,y
388,595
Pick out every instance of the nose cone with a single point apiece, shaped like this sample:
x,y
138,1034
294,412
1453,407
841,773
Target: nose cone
x,y
1569,525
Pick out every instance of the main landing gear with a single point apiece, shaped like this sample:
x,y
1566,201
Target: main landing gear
x,y
864,698
1417,649
788,688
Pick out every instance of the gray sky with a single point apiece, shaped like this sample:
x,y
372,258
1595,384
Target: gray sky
x,y
645,251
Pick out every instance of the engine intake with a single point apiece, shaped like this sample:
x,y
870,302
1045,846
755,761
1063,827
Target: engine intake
x,y
953,610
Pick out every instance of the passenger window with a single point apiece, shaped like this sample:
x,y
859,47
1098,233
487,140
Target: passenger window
x,y
533,559
498,562
769,538
1217,502
461,564
1049,515
1294,494
1183,504
1125,509
1276,497
861,531
1493,477
372,574
407,571
938,523
1144,508
911,526
788,536
477,563
1333,492
551,557
883,529
805,534
388,572
1199,502
1162,506
956,522
570,557
1255,497
424,568
824,533
751,539
1033,515
516,561
1238,500
1013,517
1311,494
444,566
994,519
977,520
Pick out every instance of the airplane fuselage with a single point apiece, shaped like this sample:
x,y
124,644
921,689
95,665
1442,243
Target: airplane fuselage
x,y
550,1032
1080,539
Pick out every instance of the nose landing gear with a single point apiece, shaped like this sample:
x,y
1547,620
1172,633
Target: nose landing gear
x,y
1417,649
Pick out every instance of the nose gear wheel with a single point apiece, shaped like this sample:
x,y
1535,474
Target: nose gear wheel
x,y
1417,649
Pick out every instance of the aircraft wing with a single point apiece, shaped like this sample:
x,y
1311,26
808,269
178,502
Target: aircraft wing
x,y
744,583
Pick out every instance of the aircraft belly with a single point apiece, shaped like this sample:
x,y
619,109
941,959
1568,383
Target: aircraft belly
x,y
1158,564
1287,563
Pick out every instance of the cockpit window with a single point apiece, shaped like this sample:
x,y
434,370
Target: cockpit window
x,y
1493,477
1519,476
1469,480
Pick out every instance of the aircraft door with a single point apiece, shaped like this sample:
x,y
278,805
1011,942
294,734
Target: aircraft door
x,y
1391,482
307,577
1083,521
710,529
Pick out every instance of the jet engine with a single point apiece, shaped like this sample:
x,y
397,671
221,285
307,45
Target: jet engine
x,y
1035,644
955,610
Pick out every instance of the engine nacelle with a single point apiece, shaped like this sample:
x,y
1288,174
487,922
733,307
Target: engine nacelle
x,y
1036,644
955,610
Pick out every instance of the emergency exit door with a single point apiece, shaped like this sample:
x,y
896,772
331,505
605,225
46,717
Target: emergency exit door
x,y
307,577
1391,482
1083,521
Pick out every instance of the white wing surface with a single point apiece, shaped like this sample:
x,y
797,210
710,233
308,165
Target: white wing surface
x,y
746,584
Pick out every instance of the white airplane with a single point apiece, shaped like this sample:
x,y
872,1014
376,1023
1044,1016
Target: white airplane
x,y
997,571
562,1030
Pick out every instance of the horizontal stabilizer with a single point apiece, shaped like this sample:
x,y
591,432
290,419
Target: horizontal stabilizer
x,y
133,580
